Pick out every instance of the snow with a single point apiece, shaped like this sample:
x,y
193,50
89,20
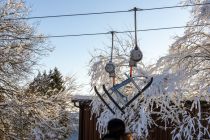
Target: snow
x,y
74,136
82,97
180,77
180,85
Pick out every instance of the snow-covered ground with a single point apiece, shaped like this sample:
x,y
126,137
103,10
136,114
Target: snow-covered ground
x,y
74,136
75,126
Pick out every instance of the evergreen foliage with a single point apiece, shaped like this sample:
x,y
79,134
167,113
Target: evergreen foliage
x,y
47,83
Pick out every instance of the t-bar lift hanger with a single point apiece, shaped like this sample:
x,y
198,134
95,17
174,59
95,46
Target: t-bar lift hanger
x,y
135,56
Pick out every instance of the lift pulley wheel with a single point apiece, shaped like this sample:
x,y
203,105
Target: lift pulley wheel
x,y
110,68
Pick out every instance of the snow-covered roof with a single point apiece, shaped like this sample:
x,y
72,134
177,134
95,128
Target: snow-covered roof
x,y
82,98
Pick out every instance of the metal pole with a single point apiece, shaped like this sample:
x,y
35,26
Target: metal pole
x,y
135,25
112,32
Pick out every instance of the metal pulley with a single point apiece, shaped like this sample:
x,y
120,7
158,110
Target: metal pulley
x,y
136,55
110,68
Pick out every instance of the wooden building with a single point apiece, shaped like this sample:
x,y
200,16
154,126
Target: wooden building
x,y
87,124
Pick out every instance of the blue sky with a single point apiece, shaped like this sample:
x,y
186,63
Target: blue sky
x,y
71,54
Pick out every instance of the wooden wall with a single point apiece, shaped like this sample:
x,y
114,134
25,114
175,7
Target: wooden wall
x,y
87,126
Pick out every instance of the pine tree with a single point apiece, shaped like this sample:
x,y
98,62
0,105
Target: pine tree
x,y
56,81
47,84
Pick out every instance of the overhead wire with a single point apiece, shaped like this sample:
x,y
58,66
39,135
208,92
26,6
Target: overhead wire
x,y
176,6
104,33
106,12
68,15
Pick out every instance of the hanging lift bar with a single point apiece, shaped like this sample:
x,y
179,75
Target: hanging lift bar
x,y
102,99
110,67
135,56
131,100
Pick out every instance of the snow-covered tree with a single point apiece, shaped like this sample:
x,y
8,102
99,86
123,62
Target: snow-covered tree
x,y
25,115
20,49
51,116
188,59
57,80
190,52
38,116
180,89
21,45
47,83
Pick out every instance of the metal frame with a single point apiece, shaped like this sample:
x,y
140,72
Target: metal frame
x,y
115,90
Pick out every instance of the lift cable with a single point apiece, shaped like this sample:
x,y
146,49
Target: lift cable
x,y
104,33
108,12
